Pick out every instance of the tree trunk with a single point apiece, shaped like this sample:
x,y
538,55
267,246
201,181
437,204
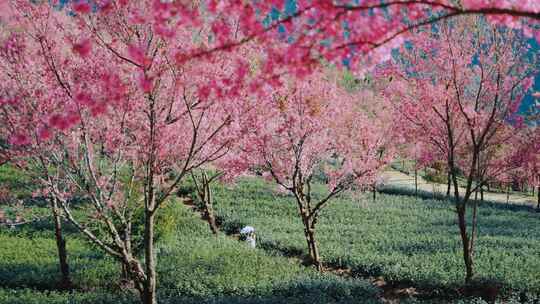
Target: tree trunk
x,y
208,204
474,225
461,209
309,233
415,181
315,257
205,195
538,200
134,273
149,291
449,181
65,282
508,194
374,193
211,217
467,254
482,193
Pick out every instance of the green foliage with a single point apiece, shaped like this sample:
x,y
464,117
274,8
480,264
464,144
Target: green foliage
x,y
29,296
398,237
166,222
32,262
200,265
13,180
194,266
435,176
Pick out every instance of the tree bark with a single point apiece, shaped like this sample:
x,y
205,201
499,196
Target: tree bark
x,y
314,249
206,197
309,233
482,193
538,198
467,254
449,181
149,291
461,209
474,226
415,181
65,282
210,211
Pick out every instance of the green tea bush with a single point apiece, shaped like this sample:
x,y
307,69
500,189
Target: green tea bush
x,y
32,263
30,296
17,183
397,236
201,265
166,222
194,266
435,176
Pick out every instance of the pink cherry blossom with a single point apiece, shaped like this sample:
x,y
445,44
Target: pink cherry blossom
x,y
83,47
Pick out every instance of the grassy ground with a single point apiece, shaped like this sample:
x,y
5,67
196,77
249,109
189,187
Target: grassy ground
x,y
194,267
398,237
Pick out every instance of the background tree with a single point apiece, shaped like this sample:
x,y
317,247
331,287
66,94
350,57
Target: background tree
x,y
315,125
19,111
464,83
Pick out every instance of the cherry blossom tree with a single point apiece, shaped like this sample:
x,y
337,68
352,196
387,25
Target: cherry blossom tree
x,y
126,92
112,118
524,152
313,125
359,33
296,34
17,116
461,85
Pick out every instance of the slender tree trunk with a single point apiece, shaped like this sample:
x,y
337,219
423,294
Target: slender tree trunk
x,y
65,282
538,199
415,181
467,254
310,248
461,208
149,292
374,193
210,213
208,204
449,182
309,233
482,193
315,257
474,228
135,273
508,194
126,238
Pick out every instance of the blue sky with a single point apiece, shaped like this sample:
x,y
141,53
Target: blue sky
x,y
528,101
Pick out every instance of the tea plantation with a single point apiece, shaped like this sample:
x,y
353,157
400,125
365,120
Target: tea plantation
x,y
401,239
406,240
